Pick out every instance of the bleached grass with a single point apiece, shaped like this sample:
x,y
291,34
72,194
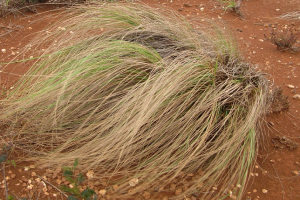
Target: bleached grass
x,y
291,16
134,92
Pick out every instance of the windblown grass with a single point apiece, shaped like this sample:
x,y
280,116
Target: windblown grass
x,y
133,92
291,16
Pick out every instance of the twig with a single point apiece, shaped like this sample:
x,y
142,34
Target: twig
x,y
53,186
6,189
8,32
7,27
264,24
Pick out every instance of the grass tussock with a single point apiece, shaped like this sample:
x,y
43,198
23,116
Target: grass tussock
x,y
135,93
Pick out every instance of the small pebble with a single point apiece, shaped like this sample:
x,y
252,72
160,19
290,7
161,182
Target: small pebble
x,y
295,172
30,187
296,96
232,197
133,182
264,172
102,192
90,174
264,191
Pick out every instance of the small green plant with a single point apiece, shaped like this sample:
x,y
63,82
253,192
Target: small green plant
x,y
68,173
233,5
284,39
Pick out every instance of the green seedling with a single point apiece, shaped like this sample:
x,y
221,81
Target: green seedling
x,y
68,173
233,5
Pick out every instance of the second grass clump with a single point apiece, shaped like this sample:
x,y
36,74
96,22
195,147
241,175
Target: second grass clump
x,y
139,94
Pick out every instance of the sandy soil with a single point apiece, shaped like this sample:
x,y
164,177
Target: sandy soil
x,y
276,174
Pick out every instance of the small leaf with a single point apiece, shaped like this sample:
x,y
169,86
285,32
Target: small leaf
x,y
66,189
87,193
68,173
79,179
75,162
3,158
70,179
13,163
72,197
10,197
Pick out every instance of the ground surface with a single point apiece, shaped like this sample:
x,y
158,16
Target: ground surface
x,y
277,171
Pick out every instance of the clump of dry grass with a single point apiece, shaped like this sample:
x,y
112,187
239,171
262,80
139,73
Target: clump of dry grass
x,y
133,92
14,6
285,40
291,16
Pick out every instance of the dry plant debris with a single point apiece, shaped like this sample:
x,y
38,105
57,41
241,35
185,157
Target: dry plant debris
x,y
282,141
278,101
284,39
138,94
291,16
